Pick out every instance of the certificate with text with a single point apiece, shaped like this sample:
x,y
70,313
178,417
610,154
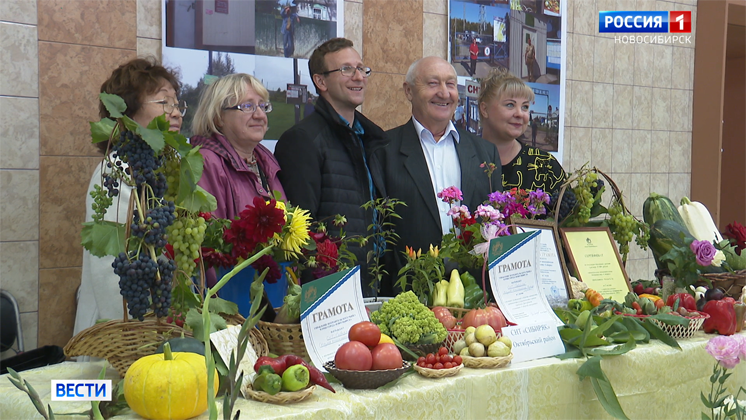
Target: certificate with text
x,y
594,255
330,306
514,263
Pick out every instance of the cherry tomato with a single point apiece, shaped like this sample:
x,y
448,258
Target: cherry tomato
x,y
353,355
438,366
421,359
446,358
365,332
386,356
447,365
421,364
429,366
430,359
457,360
443,351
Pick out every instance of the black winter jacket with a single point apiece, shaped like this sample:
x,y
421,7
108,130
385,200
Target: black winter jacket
x,y
323,170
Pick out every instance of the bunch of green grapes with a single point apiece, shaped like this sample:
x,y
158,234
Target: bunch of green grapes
x,y
171,169
585,196
186,235
626,227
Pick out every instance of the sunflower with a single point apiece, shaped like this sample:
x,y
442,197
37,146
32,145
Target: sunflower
x,y
295,234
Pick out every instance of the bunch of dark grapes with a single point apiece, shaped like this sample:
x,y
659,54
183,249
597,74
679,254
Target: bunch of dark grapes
x,y
112,185
142,160
567,206
153,229
135,279
160,291
599,186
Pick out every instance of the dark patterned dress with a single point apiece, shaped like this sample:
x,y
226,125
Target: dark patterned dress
x,y
533,169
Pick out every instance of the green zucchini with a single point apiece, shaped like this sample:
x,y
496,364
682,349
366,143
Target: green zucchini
x,y
659,207
666,234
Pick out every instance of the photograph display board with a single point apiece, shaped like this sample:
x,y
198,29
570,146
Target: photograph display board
x,y
269,39
523,36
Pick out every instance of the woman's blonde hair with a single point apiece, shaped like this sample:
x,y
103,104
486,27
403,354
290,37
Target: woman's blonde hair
x,y
223,93
501,82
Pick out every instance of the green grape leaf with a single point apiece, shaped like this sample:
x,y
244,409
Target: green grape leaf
x,y
194,321
200,201
101,130
222,306
159,123
153,137
114,104
103,238
130,124
178,142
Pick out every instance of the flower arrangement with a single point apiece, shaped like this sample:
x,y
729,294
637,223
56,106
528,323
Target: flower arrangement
x,y
727,351
423,270
686,263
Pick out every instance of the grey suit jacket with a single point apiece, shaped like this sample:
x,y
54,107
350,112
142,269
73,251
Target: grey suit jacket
x,y
407,178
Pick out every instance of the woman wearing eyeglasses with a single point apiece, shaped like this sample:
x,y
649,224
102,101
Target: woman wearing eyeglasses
x,y
149,90
229,124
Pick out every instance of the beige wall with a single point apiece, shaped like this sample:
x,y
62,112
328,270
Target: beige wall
x,y
628,112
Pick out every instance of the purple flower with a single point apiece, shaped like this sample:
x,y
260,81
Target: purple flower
x,y
704,251
725,349
451,195
742,340
498,197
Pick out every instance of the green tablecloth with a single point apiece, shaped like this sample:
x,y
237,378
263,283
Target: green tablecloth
x,y
652,381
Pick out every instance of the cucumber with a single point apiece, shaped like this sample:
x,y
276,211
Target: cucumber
x,y
666,234
184,344
659,207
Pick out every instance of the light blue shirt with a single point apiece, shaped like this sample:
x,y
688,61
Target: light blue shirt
x,y
443,164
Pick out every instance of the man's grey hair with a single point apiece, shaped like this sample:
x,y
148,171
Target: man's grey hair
x,y
412,72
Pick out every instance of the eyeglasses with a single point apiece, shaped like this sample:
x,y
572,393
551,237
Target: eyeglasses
x,y
170,103
349,71
249,108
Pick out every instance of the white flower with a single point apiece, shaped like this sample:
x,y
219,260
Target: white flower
x,y
718,259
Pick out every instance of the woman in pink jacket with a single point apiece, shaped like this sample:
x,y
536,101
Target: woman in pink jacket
x,y
229,125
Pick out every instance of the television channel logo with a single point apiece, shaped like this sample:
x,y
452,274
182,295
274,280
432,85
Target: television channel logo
x,y
645,22
81,390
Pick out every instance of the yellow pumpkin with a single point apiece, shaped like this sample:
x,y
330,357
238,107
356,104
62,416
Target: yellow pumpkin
x,y
168,385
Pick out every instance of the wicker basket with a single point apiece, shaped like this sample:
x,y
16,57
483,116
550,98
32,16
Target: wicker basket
x,y
681,331
284,338
732,283
280,397
453,337
366,379
438,373
421,350
121,343
486,362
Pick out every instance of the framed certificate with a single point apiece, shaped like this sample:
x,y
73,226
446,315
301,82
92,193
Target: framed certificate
x,y
554,277
596,260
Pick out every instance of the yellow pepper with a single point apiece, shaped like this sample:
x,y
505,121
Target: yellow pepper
x,y
651,297
593,297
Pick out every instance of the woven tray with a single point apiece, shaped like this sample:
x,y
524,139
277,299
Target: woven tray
x,y
284,338
486,362
438,373
680,331
732,283
121,343
365,379
280,397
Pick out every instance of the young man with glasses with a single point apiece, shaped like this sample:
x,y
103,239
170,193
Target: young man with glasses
x,y
327,158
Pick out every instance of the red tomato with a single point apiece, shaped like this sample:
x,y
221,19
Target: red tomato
x,y
429,366
437,359
421,359
457,360
438,366
421,364
442,351
447,358
365,332
430,359
386,356
447,365
353,355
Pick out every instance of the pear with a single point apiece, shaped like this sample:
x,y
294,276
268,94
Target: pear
x,y
470,330
470,339
477,349
486,335
498,349
464,352
504,339
458,346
